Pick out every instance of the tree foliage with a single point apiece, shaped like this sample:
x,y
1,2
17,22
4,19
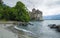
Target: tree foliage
x,y
17,13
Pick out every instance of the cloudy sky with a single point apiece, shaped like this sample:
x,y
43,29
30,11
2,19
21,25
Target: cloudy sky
x,y
48,7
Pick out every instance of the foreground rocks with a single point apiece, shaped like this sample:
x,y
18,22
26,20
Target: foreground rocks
x,y
54,26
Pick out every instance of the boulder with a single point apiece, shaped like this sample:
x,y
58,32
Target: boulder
x,y
58,28
52,25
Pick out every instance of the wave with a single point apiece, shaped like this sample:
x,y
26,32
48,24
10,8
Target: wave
x,y
23,29
29,32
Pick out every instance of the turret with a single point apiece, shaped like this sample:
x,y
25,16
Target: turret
x,y
33,10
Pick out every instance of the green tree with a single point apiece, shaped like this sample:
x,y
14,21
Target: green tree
x,y
22,13
17,13
1,11
1,2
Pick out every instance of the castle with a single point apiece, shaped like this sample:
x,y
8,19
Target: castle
x,y
36,15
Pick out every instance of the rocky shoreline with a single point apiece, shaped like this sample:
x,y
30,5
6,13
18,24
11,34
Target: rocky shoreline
x,y
18,33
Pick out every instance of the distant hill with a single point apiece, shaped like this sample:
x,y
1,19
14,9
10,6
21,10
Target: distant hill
x,y
52,17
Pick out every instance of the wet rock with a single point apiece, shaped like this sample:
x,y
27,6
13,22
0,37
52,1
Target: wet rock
x,y
58,28
30,24
22,24
52,25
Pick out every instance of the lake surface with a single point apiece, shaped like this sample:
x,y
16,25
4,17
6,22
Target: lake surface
x,y
40,29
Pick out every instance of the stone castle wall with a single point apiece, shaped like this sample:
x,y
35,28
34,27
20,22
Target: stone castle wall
x,y
36,15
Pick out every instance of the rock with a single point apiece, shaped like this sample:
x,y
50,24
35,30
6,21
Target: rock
x,y
22,24
52,25
30,24
58,28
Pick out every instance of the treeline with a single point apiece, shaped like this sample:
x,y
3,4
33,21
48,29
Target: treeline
x,y
17,13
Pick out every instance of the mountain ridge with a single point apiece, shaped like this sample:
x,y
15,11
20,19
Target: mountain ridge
x,y
52,17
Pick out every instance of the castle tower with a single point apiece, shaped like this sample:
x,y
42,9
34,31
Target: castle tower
x,y
36,15
33,10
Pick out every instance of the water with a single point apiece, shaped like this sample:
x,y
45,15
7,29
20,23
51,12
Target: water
x,y
40,29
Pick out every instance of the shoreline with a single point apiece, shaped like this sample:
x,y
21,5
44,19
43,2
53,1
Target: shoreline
x,y
18,33
4,33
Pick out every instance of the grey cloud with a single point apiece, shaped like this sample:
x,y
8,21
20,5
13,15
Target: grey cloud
x,y
28,3
57,2
47,6
53,3
32,3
